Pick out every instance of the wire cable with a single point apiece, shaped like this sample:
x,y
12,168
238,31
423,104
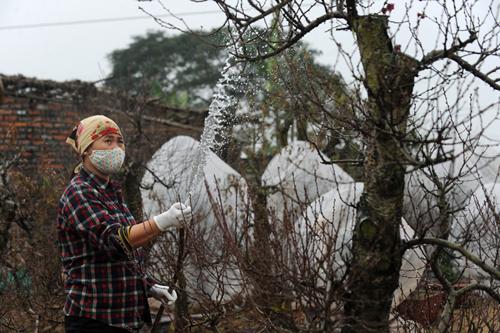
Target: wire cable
x,y
103,20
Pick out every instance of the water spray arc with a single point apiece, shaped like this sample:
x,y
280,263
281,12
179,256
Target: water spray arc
x,y
221,117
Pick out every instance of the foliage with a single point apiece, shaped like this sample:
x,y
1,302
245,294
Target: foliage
x,y
448,266
32,297
179,70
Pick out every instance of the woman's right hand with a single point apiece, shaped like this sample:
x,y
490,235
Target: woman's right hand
x,y
174,216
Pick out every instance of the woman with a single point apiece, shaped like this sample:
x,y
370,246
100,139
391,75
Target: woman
x,y
100,241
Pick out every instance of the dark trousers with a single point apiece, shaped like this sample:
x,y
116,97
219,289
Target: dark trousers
x,y
74,324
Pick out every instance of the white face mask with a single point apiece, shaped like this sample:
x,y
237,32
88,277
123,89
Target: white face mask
x,y
108,161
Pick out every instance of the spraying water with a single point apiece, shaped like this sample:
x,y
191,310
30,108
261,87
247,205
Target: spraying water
x,y
221,116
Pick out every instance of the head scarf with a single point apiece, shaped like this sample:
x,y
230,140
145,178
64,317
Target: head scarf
x,y
89,130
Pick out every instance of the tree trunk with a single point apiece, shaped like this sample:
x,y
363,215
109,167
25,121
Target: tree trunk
x,y
132,190
282,128
301,128
181,305
267,285
374,270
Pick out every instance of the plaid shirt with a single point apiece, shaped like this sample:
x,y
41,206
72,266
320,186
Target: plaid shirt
x,y
102,281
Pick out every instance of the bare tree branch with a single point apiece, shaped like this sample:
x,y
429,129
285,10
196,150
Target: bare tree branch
x,y
474,71
295,38
436,55
351,8
495,273
477,286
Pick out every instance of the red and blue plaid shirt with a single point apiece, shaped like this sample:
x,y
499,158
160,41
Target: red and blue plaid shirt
x,y
103,281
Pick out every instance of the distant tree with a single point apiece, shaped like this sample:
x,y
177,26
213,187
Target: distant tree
x,y
179,70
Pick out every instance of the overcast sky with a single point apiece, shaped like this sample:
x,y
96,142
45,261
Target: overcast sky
x,y
79,50
76,51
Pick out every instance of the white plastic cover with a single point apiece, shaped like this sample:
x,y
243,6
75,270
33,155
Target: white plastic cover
x,y
332,217
299,176
466,172
166,181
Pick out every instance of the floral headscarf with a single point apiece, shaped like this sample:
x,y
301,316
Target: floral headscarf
x,y
89,130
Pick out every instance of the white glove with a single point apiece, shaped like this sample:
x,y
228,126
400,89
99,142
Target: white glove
x,y
164,294
173,217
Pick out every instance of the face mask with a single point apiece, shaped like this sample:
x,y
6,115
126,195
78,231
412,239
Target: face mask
x,y
108,161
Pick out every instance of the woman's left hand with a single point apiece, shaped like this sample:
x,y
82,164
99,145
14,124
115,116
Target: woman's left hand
x,y
164,294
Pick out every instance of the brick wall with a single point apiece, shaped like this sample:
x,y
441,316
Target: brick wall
x,y
36,116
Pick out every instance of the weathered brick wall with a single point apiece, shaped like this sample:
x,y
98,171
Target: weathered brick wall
x,y
37,116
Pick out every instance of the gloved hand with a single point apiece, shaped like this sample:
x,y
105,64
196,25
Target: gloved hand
x,y
174,216
164,294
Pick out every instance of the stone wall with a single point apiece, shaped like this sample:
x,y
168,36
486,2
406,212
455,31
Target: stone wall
x,y
36,116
